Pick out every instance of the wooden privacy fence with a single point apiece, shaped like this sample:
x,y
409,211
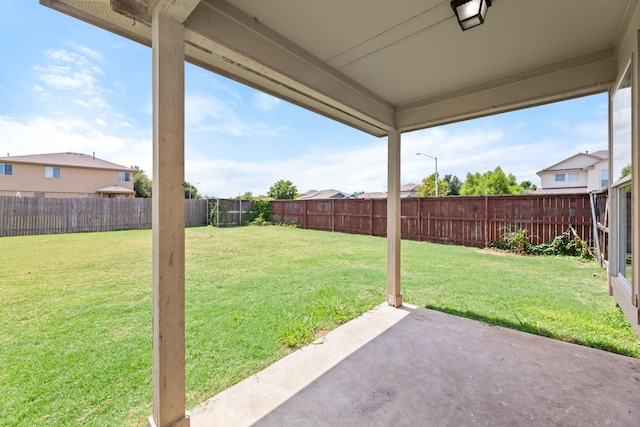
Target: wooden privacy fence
x,y
34,215
230,212
461,220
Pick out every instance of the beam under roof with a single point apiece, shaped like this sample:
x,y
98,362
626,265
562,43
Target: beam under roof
x,y
222,38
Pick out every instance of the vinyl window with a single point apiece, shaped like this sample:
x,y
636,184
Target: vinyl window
x,y
6,169
51,172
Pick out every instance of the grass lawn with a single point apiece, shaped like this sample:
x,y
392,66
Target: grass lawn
x,y
75,310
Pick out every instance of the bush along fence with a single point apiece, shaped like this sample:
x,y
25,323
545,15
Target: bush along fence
x,y
460,220
34,215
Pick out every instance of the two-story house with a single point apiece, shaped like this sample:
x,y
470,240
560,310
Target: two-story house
x,y
583,172
64,175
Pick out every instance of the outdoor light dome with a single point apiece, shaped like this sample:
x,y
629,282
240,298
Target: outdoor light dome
x,y
470,13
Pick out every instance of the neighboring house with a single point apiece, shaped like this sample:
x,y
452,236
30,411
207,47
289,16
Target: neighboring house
x,y
409,190
373,195
582,173
64,175
325,194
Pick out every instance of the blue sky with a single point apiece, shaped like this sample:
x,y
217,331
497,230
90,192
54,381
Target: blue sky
x,y
68,86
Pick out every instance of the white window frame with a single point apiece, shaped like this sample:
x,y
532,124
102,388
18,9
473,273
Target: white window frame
x,y
618,199
124,176
574,176
50,172
604,178
558,175
3,169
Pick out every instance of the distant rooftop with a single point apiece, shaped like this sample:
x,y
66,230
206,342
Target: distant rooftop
x,y
65,159
325,194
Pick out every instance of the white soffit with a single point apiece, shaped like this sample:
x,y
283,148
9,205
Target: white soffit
x,y
381,64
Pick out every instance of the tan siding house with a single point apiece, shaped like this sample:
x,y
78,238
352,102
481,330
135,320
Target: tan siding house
x,y
64,175
583,172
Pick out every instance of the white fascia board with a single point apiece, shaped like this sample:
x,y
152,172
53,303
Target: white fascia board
x,y
219,27
236,46
585,75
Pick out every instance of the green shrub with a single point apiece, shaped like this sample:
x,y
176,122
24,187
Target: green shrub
x,y
259,212
567,243
514,241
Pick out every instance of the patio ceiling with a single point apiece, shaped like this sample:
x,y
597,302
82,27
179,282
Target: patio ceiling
x,y
378,66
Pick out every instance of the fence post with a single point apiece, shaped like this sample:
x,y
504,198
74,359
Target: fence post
x,y
304,218
370,217
486,221
419,227
333,215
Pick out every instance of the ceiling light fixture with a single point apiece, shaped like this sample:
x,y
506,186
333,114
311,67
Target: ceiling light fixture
x,y
470,13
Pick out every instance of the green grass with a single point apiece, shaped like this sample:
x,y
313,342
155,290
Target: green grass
x,y
75,310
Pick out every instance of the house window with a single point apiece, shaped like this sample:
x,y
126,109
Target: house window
x,y
124,176
604,178
560,177
51,172
574,176
6,169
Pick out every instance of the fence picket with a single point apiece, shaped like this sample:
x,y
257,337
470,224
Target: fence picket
x,y
37,215
473,221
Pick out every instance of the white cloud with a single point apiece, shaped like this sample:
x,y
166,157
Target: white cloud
x,y
37,135
207,113
470,148
41,91
265,102
74,72
317,169
87,52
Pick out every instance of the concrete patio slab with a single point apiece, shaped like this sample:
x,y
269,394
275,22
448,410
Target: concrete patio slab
x,y
412,366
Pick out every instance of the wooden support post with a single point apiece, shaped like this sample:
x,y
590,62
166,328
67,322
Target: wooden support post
x,y
168,223
394,297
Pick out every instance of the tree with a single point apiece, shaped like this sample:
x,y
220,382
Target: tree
x,y
283,190
625,171
453,184
142,185
428,187
248,195
190,191
527,186
490,182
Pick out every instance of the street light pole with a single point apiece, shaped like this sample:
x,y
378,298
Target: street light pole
x,y
436,159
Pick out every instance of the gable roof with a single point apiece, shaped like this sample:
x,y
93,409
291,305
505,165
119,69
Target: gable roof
x,y
603,154
325,194
590,160
409,187
373,195
66,159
